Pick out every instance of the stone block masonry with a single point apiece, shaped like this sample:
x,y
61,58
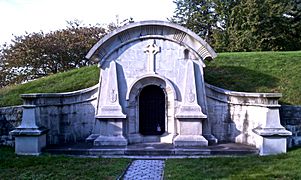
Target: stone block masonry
x,y
291,119
10,117
290,116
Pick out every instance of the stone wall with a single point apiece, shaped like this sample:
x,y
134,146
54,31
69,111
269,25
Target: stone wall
x,y
229,120
235,115
291,119
10,117
69,117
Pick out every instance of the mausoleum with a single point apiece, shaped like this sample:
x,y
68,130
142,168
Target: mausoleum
x,y
151,89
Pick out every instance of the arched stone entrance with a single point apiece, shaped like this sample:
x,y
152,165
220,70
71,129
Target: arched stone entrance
x,y
152,111
145,86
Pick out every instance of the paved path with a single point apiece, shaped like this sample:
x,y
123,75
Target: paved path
x,y
145,169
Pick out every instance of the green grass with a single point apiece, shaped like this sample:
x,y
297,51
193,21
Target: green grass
x,y
284,166
258,72
249,72
62,82
58,167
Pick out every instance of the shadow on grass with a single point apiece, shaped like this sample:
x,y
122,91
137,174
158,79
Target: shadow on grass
x,y
240,79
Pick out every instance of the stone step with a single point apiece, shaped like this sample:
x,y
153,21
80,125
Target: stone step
x,y
153,150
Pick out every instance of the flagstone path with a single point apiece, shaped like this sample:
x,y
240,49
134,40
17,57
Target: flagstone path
x,y
145,169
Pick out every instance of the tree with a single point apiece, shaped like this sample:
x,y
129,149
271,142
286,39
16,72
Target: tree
x,y
261,25
34,55
225,16
243,25
197,15
294,16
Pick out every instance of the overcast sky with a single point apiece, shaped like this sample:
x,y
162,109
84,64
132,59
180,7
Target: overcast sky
x,y
18,16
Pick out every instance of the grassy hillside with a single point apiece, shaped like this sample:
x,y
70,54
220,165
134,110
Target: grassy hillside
x,y
62,82
250,72
258,72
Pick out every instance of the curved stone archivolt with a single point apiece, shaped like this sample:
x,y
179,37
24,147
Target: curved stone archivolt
x,y
150,30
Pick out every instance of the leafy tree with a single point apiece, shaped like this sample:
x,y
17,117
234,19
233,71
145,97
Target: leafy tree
x,y
294,15
243,25
197,15
225,19
34,55
261,25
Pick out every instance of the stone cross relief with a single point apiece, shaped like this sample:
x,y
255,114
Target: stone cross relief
x,y
152,50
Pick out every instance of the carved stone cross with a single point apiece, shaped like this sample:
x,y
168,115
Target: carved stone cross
x,y
152,50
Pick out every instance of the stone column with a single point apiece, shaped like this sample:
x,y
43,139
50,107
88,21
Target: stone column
x,y
109,112
29,138
190,114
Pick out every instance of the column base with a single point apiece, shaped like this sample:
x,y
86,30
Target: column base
x,y
110,141
29,141
271,145
271,141
190,140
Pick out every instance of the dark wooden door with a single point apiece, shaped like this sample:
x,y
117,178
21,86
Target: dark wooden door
x,y
152,111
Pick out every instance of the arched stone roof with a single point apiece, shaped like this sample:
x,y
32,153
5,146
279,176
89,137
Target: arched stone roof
x,y
149,30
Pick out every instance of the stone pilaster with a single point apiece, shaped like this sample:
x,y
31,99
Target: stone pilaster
x,y
109,112
190,114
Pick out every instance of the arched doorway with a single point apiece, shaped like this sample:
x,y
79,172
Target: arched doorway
x,y
152,111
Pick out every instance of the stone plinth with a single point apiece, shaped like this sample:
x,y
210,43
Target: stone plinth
x,y
30,139
272,135
274,143
190,133
111,133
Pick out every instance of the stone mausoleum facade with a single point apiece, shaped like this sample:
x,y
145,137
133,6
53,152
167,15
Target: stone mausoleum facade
x,y
151,89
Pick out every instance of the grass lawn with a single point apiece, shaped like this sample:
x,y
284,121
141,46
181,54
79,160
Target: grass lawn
x,y
284,166
62,82
58,167
258,72
243,71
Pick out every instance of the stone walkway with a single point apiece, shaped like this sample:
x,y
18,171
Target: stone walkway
x,y
145,169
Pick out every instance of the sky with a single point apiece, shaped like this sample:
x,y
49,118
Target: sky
x,y
20,16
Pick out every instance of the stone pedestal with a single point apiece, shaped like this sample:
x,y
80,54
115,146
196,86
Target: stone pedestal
x,y
111,133
190,133
270,145
109,112
29,143
29,138
272,135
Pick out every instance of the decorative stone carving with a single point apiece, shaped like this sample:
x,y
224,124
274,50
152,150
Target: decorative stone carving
x,y
108,101
189,107
113,96
191,96
151,50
